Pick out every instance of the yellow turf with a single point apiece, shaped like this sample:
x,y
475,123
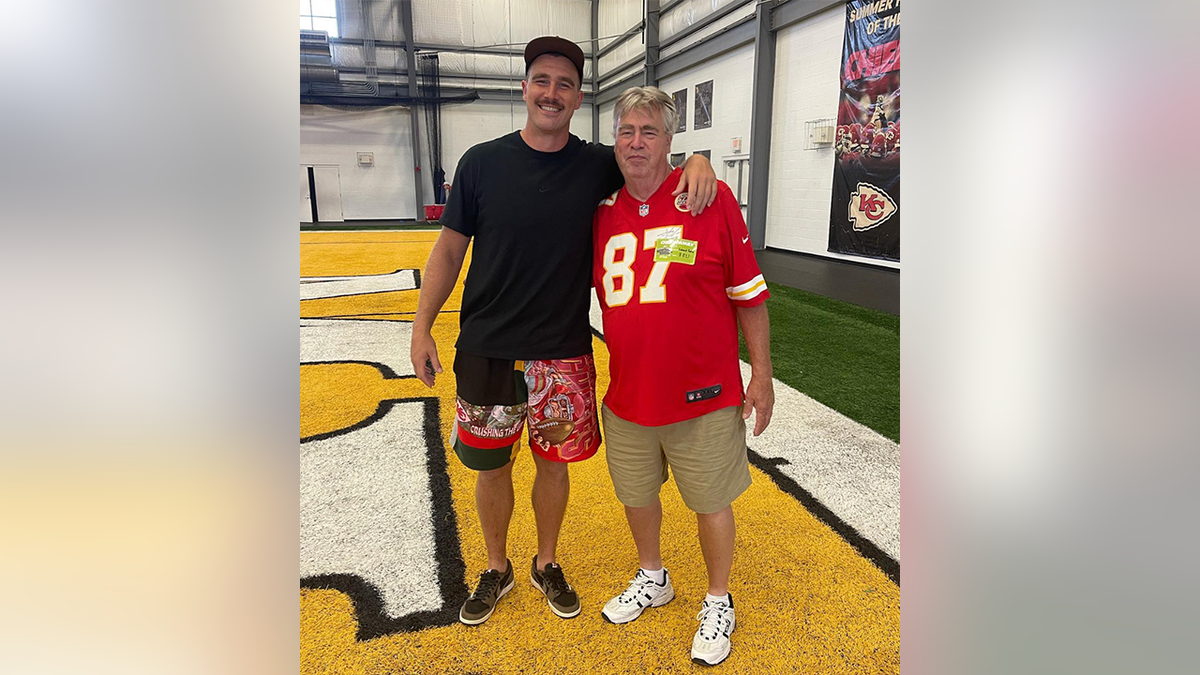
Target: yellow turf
x,y
806,601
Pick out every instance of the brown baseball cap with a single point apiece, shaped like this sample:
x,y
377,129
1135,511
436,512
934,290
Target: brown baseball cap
x,y
552,44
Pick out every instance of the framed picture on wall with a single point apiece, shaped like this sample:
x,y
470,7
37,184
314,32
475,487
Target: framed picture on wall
x,y
676,159
704,103
681,108
706,153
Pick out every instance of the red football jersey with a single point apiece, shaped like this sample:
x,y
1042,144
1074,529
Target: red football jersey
x,y
669,285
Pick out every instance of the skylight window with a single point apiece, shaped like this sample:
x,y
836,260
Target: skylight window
x,y
319,15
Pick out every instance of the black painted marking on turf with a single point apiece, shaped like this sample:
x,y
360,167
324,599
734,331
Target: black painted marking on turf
x,y
381,410
384,369
864,546
369,611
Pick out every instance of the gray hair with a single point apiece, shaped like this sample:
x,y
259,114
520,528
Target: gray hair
x,y
647,98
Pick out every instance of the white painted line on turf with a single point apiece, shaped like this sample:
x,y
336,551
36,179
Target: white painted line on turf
x,y
313,288
384,342
365,509
848,467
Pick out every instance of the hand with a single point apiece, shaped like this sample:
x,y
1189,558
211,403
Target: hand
x,y
760,397
424,354
700,182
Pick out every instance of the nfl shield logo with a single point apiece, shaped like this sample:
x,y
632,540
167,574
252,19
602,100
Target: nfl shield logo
x,y
644,210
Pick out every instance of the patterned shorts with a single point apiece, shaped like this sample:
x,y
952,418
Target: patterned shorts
x,y
557,397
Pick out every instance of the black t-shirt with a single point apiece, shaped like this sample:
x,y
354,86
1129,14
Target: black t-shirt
x,y
527,291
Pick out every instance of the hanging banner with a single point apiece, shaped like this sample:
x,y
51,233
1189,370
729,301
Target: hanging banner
x,y
865,217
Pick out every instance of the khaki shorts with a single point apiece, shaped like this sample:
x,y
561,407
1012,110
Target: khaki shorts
x,y
708,455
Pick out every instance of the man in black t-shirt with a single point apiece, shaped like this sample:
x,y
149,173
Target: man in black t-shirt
x,y
525,348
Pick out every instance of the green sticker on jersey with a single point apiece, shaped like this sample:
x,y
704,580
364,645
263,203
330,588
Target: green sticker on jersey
x,y
675,250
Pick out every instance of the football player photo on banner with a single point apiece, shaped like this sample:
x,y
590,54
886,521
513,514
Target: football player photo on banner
x,y
865,216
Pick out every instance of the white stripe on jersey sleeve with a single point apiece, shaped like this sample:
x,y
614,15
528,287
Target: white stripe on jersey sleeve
x,y
748,290
610,200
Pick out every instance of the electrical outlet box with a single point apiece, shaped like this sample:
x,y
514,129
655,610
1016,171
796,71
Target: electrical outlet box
x,y
366,159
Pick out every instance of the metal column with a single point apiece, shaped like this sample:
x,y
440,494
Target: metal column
x,y
406,25
595,70
760,124
650,77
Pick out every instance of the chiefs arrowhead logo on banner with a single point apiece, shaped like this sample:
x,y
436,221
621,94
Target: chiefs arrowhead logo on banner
x,y
869,207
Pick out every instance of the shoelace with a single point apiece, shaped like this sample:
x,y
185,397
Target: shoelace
x,y
713,620
487,583
555,579
637,586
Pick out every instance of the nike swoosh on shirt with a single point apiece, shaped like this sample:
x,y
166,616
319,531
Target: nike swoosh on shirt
x,y
745,239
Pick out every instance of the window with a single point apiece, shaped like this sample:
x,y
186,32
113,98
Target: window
x,y
319,15
681,108
704,101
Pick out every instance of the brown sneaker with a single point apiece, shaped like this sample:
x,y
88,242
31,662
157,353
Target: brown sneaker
x,y
492,586
560,596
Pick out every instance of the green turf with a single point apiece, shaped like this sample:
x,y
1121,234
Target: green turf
x,y
843,355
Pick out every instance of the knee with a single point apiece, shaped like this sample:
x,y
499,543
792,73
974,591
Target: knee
x,y
496,475
725,515
552,470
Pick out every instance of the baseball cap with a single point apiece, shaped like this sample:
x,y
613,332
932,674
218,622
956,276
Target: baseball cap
x,y
552,44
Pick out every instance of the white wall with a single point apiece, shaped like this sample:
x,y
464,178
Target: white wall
x,y
331,136
384,191
808,59
606,123
733,85
466,125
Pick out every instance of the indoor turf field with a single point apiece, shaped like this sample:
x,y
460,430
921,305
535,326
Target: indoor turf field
x,y
390,544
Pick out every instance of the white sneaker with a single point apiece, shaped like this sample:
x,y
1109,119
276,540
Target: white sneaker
x,y
643,592
711,644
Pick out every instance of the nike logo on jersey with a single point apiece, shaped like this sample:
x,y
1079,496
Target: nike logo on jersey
x,y
745,239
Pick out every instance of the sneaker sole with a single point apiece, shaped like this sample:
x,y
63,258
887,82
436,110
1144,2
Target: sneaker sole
x,y
551,605
475,622
701,661
635,616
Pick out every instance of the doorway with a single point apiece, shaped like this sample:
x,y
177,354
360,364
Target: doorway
x,y
322,197
737,177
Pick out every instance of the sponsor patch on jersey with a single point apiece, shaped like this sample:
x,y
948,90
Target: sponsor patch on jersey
x,y
675,250
704,394
681,203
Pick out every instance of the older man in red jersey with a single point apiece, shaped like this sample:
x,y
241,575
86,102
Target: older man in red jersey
x,y
673,287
